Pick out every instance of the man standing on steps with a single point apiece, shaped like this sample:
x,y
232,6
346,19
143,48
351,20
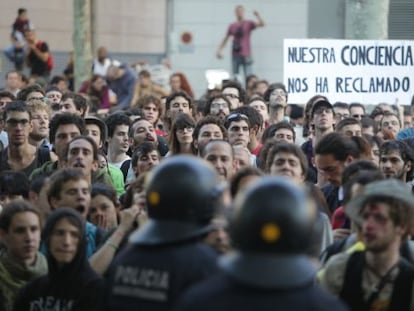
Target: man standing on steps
x,y
240,31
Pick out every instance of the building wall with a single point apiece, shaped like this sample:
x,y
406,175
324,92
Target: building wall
x,y
130,29
332,25
123,26
207,21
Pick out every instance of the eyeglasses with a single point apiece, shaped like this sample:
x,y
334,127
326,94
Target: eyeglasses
x,y
232,96
4,102
387,123
15,122
219,105
341,115
357,116
51,95
188,129
235,117
36,98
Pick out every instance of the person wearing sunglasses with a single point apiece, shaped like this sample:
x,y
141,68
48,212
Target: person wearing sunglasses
x,y
238,129
357,110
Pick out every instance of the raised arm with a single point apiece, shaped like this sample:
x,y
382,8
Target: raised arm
x,y
101,260
260,21
219,53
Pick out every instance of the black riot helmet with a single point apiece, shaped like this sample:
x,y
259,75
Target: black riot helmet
x,y
183,194
271,230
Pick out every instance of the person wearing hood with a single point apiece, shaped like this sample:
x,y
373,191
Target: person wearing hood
x,y
71,284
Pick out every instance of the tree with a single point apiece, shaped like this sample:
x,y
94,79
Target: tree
x,y
82,41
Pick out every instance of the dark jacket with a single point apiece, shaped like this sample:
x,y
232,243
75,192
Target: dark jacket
x,y
222,293
153,278
73,286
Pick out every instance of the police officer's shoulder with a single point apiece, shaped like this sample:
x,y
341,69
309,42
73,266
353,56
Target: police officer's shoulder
x,y
205,295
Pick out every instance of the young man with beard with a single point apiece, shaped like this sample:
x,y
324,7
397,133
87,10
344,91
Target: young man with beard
x,y
390,122
97,130
20,155
143,131
396,160
63,128
20,261
82,153
377,278
218,106
276,96
207,129
70,188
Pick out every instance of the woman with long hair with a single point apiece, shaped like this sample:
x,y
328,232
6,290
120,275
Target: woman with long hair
x,y
181,135
179,82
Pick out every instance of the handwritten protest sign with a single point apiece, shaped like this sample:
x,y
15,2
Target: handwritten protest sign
x,y
365,71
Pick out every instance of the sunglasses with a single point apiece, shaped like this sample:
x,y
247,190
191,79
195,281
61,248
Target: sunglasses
x,y
237,117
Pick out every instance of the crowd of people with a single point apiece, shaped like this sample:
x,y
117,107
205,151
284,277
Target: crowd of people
x,y
125,195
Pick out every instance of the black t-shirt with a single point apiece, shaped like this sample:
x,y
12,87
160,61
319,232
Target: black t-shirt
x,y
44,294
42,156
38,66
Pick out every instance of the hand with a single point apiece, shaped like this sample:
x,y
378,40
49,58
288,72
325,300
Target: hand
x,y
128,217
339,234
101,221
32,46
255,13
219,55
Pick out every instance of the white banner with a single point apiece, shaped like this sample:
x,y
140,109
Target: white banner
x,y
365,71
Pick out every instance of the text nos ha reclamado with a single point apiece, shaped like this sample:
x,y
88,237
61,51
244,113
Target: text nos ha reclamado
x,y
357,57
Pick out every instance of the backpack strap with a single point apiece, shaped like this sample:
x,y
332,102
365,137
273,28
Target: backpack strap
x,y
3,160
403,287
351,292
125,167
333,249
